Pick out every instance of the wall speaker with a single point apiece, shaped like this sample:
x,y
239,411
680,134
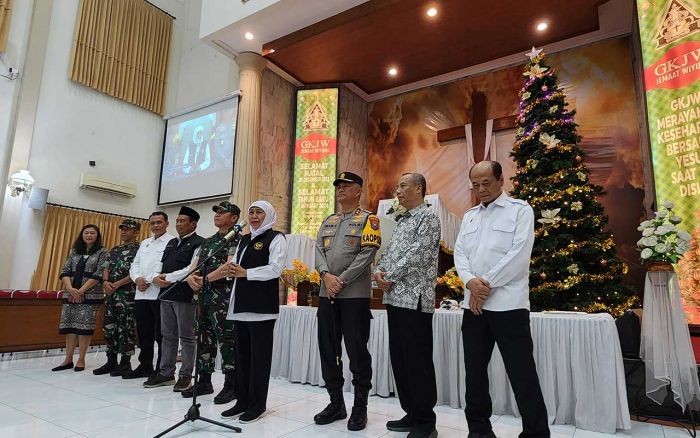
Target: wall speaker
x,y
37,200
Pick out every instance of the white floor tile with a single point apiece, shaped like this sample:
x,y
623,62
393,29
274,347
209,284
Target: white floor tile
x,y
675,432
34,402
87,420
35,429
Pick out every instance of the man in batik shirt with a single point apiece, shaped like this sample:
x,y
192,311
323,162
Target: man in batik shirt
x,y
119,322
407,274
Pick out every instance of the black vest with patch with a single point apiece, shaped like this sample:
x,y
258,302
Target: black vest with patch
x,y
178,257
256,296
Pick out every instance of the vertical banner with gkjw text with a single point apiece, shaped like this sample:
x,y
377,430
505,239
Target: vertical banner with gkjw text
x,y
670,41
313,195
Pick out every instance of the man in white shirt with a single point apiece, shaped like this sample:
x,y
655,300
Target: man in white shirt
x,y
146,266
492,256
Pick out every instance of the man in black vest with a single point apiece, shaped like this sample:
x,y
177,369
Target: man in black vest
x,y
177,320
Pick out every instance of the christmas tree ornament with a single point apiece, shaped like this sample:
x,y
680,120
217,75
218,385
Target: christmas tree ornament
x,y
533,53
544,88
543,276
578,158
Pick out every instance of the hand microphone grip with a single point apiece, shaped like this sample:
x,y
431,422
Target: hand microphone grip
x,y
235,231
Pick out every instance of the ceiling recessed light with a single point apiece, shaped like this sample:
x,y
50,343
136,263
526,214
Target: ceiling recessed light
x,y
542,26
249,36
393,71
271,51
432,12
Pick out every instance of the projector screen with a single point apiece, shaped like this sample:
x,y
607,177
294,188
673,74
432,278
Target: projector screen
x,y
198,152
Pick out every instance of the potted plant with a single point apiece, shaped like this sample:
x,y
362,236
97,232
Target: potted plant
x,y
662,243
306,284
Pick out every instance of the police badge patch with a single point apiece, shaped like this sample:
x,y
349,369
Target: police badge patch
x,y
258,246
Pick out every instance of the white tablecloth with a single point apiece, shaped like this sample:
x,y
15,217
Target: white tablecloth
x,y
300,247
578,359
666,347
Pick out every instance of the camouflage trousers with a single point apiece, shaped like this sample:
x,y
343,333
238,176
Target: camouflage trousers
x,y
215,331
119,323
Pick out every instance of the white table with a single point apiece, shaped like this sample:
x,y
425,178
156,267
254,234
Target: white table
x,y
578,359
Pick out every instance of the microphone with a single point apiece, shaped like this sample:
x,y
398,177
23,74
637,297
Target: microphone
x,y
236,230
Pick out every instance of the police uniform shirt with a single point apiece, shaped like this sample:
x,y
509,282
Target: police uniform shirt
x,y
495,243
345,246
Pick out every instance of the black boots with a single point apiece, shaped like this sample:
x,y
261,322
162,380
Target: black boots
x,y
358,418
108,367
335,410
228,394
203,386
123,367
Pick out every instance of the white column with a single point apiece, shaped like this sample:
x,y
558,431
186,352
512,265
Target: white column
x,y
245,166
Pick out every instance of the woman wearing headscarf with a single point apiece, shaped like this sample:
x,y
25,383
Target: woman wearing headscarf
x,y
82,276
256,265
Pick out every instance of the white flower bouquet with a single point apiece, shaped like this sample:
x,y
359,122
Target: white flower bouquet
x,y
661,240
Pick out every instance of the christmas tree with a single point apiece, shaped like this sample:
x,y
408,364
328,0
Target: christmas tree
x,y
574,265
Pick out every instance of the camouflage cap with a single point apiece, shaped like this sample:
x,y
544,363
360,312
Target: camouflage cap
x,y
226,207
129,223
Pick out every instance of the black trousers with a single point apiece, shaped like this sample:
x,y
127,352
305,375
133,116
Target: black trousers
x,y
511,331
253,347
411,352
147,314
347,319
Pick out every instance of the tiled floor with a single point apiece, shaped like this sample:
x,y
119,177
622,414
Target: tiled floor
x,y
34,402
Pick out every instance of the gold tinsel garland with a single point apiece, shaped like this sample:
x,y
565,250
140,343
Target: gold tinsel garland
x,y
570,248
573,280
597,221
615,311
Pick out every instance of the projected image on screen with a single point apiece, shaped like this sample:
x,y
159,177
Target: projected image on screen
x,y
198,154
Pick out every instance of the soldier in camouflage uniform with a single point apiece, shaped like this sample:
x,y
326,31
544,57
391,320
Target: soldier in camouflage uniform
x,y
119,322
214,293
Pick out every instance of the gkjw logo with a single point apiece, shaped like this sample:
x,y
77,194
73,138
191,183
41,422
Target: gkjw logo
x,y
679,21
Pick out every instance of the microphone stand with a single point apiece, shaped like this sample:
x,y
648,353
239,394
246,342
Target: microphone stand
x,y
193,412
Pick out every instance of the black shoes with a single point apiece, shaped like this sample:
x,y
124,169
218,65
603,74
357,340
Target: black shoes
x,y
358,417
402,425
63,367
203,386
138,373
77,369
159,380
228,393
423,434
251,416
236,411
108,367
183,384
481,435
123,367
334,411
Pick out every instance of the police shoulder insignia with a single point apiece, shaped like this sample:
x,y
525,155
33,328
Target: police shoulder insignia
x,y
258,246
371,235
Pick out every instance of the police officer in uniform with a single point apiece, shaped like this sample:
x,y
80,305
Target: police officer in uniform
x,y
119,321
215,291
345,248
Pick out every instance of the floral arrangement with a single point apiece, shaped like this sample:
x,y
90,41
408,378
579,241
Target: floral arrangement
x,y
396,209
300,274
661,240
453,282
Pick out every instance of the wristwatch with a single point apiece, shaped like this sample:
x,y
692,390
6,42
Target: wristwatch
x,y
323,273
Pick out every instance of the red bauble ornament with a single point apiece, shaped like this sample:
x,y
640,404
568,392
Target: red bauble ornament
x,y
603,263
516,184
578,158
544,88
543,276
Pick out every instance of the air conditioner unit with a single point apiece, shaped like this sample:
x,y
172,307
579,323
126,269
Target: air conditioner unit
x,y
102,184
